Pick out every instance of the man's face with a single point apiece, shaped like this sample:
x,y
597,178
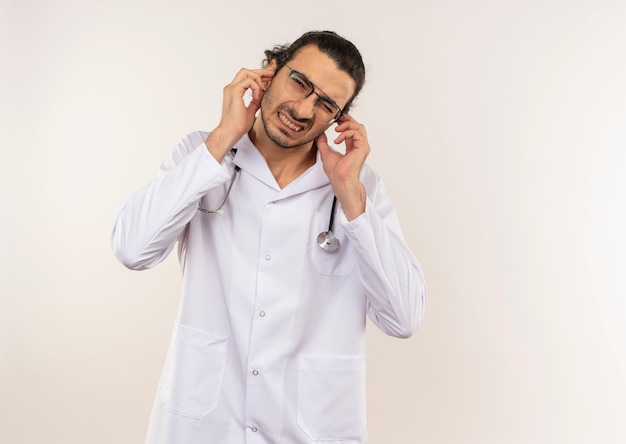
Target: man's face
x,y
291,121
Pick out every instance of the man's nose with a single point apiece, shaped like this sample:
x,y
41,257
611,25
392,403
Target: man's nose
x,y
305,107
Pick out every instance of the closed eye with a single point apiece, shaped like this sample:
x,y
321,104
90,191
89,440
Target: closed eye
x,y
327,106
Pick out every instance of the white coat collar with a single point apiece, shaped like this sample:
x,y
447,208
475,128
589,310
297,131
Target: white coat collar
x,y
250,160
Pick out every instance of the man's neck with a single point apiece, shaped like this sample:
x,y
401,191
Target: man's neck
x,y
286,164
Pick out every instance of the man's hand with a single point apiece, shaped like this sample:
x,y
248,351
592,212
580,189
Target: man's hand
x,y
237,118
343,169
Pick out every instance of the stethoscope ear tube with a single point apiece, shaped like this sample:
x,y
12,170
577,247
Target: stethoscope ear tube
x,y
219,210
326,239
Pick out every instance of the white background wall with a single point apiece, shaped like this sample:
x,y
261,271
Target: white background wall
x,y
499,127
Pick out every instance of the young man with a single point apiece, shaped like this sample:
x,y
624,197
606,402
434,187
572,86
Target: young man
x,y
269,342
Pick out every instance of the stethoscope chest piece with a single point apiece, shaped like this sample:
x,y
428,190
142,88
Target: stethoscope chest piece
x,y
328,241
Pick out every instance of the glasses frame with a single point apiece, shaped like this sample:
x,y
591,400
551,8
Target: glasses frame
x,y
313,88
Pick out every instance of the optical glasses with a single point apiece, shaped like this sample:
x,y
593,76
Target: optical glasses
x,y
300,87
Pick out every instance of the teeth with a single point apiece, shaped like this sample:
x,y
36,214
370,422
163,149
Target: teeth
x,y
288,122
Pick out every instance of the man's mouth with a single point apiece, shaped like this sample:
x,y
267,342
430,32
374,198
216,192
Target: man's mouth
x,y
283,118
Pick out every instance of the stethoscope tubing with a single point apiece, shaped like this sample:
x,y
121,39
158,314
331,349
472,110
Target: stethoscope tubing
x,y
230,187
326,239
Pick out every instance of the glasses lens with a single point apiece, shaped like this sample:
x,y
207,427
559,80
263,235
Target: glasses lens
x,y
298,85
327,110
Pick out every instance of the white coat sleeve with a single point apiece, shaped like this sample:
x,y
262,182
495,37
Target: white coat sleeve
x,y
151,220
389,272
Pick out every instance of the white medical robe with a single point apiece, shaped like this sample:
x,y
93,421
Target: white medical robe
x,y
269,342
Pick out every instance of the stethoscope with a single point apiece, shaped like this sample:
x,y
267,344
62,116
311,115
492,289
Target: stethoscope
x,y
230,187
326,239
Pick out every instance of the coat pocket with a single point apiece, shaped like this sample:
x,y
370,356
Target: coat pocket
x,y
331,397
194,369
